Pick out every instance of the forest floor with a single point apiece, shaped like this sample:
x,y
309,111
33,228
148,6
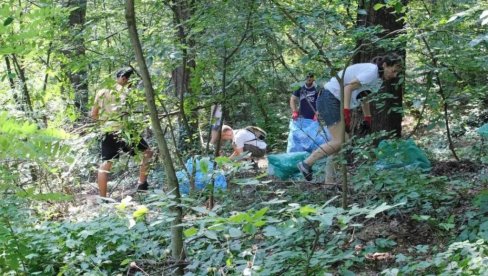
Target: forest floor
x,y
406,232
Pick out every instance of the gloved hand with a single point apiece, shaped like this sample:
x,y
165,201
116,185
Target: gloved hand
x,y
347,118
294,115
365,126
368,120
315,117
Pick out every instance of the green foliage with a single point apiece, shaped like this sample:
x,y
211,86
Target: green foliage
x,y
461,258
23,140
99,246
279,238
419,192
263,49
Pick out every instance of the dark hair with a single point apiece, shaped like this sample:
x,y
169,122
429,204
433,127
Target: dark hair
x,y
390,60
125,72
310,75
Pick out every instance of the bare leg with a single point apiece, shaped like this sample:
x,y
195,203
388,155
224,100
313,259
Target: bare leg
x,y
330,170
330,147
102,177
143,172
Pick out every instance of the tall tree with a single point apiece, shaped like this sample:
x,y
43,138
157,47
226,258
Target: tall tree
x,y
374,13
164,153
78,75
181,74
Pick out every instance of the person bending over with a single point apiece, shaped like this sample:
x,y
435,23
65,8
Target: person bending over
x,y
243,140
359,79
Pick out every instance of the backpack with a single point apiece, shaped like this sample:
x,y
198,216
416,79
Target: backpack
x,y
257,131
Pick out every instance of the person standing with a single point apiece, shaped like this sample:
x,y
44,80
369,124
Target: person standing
x,y
109,109
303,100
359,80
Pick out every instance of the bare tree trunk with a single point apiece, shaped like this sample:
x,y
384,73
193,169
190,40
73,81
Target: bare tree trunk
x,y
384,118
181,74
164,153
78,79
12,83
23,85
442,93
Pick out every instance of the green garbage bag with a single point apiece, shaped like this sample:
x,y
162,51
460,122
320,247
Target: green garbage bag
x,y
401,154
284,165
483,131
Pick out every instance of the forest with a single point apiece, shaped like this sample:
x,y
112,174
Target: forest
x,y
399,186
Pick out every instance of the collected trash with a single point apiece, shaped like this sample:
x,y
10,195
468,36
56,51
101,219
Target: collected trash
x,y
306,135
401,154
284,165
204,174
483,131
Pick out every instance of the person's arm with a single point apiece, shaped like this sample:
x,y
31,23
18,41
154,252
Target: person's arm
x,y
95,112
236,153
367,119
348,88
294,103
366,108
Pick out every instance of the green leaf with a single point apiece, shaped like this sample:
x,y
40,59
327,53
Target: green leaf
x,y
483,233
383,207
140,212
306,210
326,219
204,166
249,228
271,231
125,262
235,232
259,214
8,21
378,6
190,232
211,235
200,210
238,218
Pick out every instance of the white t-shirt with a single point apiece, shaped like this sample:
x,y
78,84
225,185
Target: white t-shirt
x,y
242,136
365,73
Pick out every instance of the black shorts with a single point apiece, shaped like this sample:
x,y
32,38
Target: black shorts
x,y
329,108
254,150
113,145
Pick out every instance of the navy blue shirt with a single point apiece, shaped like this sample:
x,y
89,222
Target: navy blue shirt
x,y
308,97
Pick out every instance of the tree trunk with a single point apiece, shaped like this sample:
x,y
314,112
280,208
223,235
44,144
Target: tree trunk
x,y
387,117
181,74
26,99
12,83
78,78
164,154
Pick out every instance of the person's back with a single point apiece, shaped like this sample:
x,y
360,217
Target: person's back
x,y
244,137
246,141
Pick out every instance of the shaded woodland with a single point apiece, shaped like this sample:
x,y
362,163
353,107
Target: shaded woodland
x,y
248,57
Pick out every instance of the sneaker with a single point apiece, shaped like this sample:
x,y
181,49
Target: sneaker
x,y
305,170
255,165
143,186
